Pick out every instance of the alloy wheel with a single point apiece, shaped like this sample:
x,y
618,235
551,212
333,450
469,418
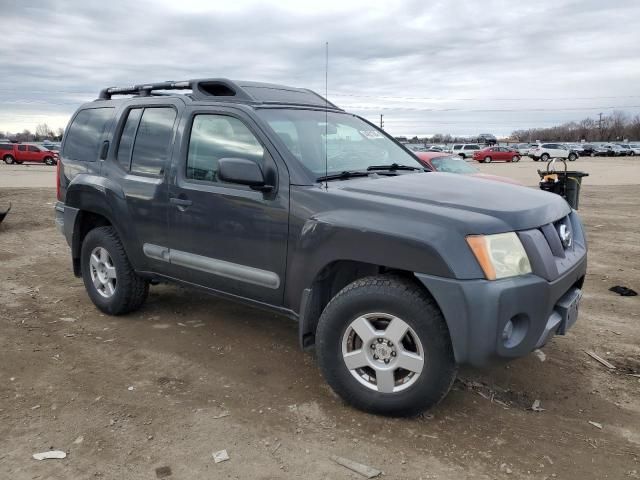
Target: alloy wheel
x,y
382,352
103,272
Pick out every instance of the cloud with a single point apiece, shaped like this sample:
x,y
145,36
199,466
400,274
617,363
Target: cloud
x,y
459,67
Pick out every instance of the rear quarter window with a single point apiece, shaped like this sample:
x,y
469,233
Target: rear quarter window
x,y
85,134
6,146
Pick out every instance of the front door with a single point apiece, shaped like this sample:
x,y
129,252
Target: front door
x,y
33,154
225,236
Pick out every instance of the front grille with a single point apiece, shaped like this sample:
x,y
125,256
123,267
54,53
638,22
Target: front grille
x,y
555,247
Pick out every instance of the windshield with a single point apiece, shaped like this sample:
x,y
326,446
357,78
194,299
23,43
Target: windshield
x,y
351,143
452,164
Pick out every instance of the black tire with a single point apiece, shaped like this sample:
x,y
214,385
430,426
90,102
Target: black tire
x,y
131,290
632,153
515,158
398,297
573,157
544,157
49,161
8,159
487,159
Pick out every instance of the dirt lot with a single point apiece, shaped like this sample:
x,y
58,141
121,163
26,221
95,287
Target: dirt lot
x,y
126,395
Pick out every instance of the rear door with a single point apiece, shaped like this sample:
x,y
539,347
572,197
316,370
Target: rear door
x,y
22,153
225,236
139,163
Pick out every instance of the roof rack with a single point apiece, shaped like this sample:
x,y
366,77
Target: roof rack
x,y
222,89
143,90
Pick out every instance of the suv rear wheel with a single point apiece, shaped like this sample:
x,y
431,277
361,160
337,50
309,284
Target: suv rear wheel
x,y
572,157
112,284
8,159
544,157
383,346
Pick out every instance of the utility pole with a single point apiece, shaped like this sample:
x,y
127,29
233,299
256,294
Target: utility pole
x,y
381,121
600,125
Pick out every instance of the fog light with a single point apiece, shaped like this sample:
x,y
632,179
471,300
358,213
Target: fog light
x,y
515,329
507,332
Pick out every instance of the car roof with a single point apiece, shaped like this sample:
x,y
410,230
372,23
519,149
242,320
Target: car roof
x,y
224,90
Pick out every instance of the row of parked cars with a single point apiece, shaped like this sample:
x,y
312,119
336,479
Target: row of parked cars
x,y
535,150
19,153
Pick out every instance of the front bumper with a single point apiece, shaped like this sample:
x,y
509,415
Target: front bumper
x,y
477,311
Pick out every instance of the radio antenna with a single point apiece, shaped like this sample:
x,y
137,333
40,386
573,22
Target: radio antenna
x,y
326,113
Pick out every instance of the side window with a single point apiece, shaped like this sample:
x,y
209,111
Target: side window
x,y
33,149
22,148
85,134
125,147
218,136
6,146
153,141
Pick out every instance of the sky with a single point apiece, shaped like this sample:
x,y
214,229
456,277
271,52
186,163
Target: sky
x,y
461,67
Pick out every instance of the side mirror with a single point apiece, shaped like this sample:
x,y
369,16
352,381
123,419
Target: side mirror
x,y
243,172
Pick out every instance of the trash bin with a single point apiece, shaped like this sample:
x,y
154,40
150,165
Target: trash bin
x,y
564,183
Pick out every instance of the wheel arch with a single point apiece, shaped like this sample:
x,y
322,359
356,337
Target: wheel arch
x,y
332,278
86,220
94,204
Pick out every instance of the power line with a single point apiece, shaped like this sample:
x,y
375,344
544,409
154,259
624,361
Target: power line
x,y
491,110
337,94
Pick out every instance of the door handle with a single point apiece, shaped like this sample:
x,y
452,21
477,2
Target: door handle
x,y
181,203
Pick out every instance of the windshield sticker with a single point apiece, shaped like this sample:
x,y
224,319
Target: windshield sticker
x,y
371,134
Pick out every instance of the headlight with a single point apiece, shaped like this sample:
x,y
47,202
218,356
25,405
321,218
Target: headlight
x,y
500,256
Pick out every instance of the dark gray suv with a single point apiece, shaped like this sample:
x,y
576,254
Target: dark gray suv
x,y
273,196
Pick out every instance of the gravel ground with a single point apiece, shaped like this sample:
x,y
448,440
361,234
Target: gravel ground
x,y
190,374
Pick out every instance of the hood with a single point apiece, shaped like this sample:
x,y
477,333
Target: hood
x,y
479,205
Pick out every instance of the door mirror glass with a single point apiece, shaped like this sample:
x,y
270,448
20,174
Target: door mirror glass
x,y
243,172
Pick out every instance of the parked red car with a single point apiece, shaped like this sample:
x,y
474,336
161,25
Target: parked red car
x,y
445,162
499,154
22,152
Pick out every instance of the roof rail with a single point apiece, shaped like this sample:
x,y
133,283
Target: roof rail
x,y
143,90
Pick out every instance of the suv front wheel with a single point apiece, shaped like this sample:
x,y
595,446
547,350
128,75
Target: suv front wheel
x,y
8,159
383,346
110,280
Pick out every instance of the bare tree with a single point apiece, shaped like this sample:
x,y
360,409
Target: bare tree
x,y
632,130
43,132
25,136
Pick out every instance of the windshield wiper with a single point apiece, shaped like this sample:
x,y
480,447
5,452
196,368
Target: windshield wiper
x,y
342,175
392,167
